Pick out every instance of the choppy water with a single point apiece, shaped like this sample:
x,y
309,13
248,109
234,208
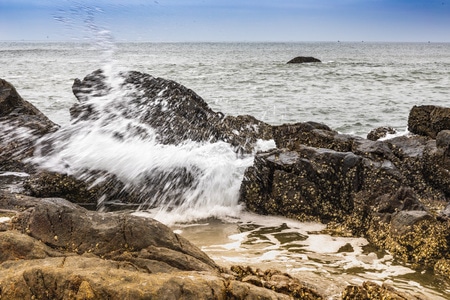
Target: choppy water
x,y
358,87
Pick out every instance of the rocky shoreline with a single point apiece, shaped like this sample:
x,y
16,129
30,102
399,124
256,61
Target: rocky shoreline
x,y
394,192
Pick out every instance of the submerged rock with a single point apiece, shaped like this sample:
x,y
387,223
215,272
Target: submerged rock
x,y
303,59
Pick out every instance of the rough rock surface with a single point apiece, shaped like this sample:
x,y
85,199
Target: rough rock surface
x,y
393,192
53,249
380,132
429,120
174,111
303,59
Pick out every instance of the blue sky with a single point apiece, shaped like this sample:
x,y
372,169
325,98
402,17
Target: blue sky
x,y
227,20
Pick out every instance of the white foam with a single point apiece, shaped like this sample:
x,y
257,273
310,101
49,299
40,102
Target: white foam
x,y
16,174
215,169
5,219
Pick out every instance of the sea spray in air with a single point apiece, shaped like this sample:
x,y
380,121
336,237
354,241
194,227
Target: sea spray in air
x,y
157,138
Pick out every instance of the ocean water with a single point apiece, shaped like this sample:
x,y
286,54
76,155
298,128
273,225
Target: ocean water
x,y
356,88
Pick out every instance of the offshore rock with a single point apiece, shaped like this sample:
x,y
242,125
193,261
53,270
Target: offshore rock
x,y
303,59
429,120
53,249
21,124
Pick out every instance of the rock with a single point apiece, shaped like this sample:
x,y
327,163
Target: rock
x,y
380,132
63,225
303,59
436,165
86,192
21,124
428,120
443,141
371,290
54,249
276,281
174,111
148,104
294,136
389,191
308,184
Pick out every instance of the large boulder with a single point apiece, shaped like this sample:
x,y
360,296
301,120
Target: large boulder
x,y
174,111
132,106
62,225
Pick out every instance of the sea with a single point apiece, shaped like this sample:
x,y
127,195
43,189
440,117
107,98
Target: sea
x,y
359,86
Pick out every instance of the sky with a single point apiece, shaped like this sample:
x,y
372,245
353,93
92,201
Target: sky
x,y
226,20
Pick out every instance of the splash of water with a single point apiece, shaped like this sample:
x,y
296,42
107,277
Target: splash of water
x,y
179,182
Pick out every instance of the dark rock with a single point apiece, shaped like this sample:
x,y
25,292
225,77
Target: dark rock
x,y
303,59
21,124
443,141
380,132
294,136
436,166
307,184
276,281
174,111
403,221
428,120
388,191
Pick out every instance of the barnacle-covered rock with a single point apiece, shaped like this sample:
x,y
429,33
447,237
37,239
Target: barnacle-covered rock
x,y
428,120
380,132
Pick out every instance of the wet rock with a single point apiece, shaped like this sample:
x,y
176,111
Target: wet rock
x,y
303,59
380,132
54,249
392,192
21,124
442,268
276,281
63,225
428,120
415,237
404,221
436,165
294,136
443,141
371,290
174,111
98,190
308,184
